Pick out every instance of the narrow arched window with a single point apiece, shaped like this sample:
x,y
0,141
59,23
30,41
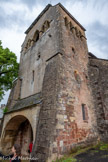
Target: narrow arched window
x,y
70,26
66,21
80,34
43,28
29,43
76,31
32,76
36,36
73,50
84,112
47,24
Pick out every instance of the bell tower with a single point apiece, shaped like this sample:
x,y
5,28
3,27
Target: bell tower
x,y
66,115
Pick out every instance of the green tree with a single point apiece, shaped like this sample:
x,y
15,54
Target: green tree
x,y
8,69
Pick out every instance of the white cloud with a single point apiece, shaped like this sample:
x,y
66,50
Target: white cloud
x,y
12,40
88,12
95,50
12,35
9,7
21,11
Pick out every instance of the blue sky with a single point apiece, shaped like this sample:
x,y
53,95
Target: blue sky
x,y
17,15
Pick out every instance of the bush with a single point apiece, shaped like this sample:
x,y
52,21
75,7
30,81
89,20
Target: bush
x,y
104,147
5,110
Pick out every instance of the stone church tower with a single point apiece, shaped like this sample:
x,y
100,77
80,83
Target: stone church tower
x,y
53,102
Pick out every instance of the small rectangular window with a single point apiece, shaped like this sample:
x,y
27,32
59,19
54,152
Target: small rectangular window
x,y
84,112
33,76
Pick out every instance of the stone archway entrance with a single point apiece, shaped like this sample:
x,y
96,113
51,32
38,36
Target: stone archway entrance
x,y
18,130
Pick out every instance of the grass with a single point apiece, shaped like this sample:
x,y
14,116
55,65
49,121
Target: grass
x,y
71,157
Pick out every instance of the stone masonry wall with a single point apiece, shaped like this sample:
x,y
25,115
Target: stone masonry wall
x,y
34,60
71,128
14,94
98,73
46,132
65,88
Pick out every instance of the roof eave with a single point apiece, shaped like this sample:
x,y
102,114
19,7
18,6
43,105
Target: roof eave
x,y
71,16
45,9
40,15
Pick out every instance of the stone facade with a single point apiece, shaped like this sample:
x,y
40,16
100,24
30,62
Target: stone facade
x,y
60,97
98,74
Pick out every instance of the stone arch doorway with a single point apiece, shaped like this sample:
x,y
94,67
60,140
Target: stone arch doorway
x,y
18,130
